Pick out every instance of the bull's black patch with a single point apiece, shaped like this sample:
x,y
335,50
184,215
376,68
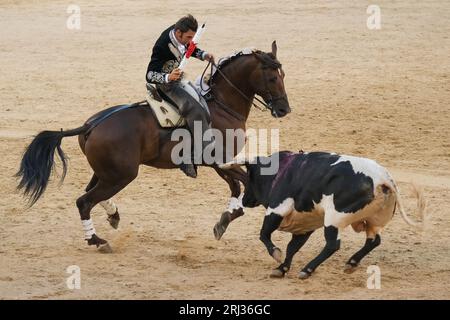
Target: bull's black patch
x,y
306,178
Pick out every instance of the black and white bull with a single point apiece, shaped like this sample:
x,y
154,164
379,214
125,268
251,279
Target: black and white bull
x,y
316,189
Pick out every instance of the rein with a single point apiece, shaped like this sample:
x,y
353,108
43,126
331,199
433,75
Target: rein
x,y
267,105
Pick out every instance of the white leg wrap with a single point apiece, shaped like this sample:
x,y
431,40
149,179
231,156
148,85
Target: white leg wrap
x,y
88,228
235,203
109,206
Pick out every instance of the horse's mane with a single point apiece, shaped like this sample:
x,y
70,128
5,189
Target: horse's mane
x,y
267,58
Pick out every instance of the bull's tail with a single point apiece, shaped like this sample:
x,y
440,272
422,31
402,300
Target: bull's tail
x,y
418,193
38,162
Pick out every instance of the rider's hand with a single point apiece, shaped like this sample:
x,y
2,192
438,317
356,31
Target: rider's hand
x,y
175,75
209,57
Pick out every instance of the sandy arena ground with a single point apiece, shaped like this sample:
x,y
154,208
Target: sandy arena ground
x,y
381,94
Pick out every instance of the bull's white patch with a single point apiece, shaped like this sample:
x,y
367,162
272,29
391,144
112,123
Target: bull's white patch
x,y
109,206
367,167
283,208
378,212
88,228
332,216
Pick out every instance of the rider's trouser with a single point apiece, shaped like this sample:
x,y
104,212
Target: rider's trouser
x,y
192,111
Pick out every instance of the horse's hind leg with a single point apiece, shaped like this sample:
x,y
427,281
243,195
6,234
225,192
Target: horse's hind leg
x,y
100,192
110,207
92,183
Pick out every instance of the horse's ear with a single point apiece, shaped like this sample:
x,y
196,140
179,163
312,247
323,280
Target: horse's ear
x,y
274,48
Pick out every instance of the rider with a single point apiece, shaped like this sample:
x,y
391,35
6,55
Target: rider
x,y
164,72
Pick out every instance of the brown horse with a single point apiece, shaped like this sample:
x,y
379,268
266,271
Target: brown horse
x,y
115,146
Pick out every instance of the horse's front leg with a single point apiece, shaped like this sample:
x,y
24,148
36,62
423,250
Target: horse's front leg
x,y
235,208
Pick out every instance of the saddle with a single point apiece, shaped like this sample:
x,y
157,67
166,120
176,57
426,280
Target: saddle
x,y
165,110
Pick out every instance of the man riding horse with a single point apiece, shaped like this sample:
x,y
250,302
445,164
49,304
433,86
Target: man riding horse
x,y
118,140
164,72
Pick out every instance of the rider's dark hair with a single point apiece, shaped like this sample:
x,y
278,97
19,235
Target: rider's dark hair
x,y
187,23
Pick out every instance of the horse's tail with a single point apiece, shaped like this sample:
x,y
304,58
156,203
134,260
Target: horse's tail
x,y
38,162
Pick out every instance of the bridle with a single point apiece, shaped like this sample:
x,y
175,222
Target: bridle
x,y
267,100
270,99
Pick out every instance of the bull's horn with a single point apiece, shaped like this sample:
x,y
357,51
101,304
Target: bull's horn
x,y
239,160
230,165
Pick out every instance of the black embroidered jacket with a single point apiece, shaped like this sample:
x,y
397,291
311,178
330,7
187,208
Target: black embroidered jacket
x,y
166,56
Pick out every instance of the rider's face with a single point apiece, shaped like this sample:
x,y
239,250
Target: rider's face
x,y
184,37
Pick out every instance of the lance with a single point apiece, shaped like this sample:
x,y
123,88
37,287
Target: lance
x,y
192,46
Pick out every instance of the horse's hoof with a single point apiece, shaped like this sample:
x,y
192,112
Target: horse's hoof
x,y
105,248
114,220
96,241
349,268
304,275
277,273
219,230
277,255
222,225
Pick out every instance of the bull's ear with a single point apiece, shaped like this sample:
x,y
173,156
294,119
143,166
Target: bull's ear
x,y
274,48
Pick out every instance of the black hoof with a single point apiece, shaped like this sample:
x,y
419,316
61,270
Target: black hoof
x,y
305,274
96,241
114,220
279,272
102,245
222,225
219,230
350,266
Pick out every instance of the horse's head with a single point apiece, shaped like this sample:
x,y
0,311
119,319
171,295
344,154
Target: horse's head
x,y
268,82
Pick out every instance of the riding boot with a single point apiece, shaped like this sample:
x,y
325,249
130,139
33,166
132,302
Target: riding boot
x,y
195,114
196,120
189,169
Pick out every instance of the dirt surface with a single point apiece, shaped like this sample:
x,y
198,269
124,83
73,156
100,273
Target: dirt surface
x,y
381,94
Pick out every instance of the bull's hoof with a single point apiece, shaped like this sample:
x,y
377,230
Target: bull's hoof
x,y
222,225
304,275
277,255
114,220
105,248
350,268
278,273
